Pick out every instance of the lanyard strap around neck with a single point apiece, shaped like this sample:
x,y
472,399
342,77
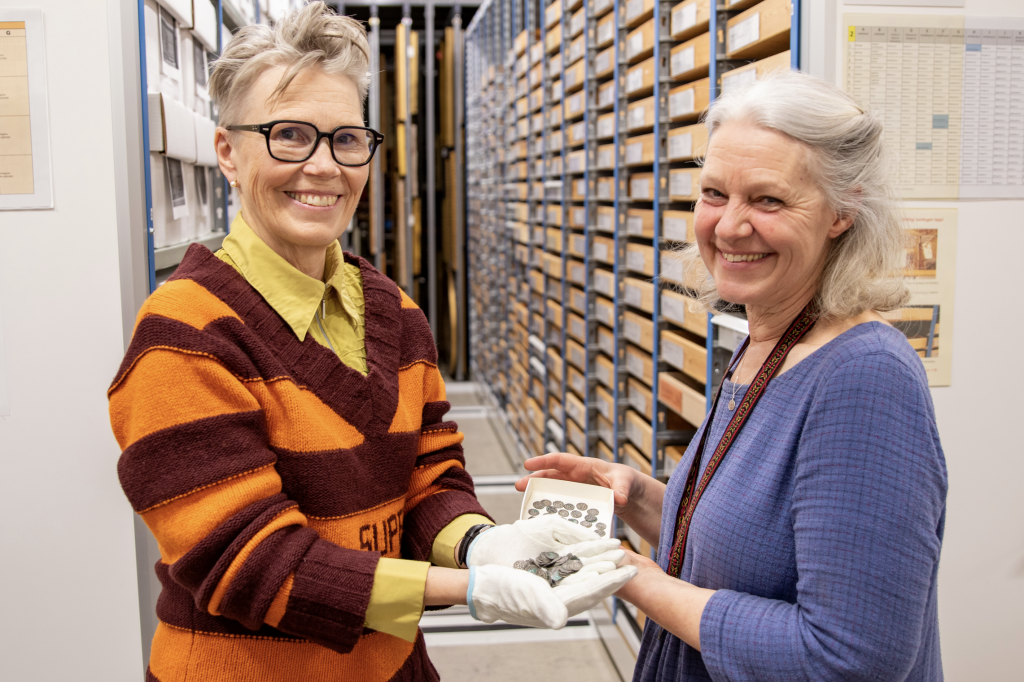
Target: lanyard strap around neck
x,y
693,490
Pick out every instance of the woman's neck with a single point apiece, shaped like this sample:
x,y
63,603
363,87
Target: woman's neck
x,y
308,260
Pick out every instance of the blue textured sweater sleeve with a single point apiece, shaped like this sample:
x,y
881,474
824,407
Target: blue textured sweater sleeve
x,y
868,503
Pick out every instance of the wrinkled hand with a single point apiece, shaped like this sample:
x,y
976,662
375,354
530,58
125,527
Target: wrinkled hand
x,y
525,539
590,470
520,598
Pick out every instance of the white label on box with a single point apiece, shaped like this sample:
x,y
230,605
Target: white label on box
x,y
580,187
601,4
606,97
603,283
680,146
681,103
673,309
737,80
684,18
577,273
602,62
570,78
635,365
601,251
635,261
635,152
637,117
634,8
576,162
640,188
672,354
606,342
636,45
604,407
605,31
680,184
604,222
631,330
579,216
576,24
539,168
605,314
744,32
635,80
577,357
634,296
579,300
536,52
605,190
606,127
682,61
604,375
576,103
579,244
634,225
556,91
575,51
675,229
671,267
637,402
605,159
578,328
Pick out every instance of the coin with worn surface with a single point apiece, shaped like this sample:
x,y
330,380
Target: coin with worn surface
x,y
550,556
600,532
558,504
543,503
582,506
520,565
601,526
533,512
591,518
562,512
593,511
550,510
574,565
572,520
586,524
539,505
570,506
576,514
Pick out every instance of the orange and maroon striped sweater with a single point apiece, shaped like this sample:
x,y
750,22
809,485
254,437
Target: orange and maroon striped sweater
x,y
274,477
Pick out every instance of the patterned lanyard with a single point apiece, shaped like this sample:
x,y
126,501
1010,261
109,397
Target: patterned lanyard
x,y
693,491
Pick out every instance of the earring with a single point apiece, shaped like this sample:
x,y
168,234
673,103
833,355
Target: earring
x,y
233,183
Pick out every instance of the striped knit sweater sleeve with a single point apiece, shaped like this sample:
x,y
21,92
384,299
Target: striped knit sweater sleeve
x,y
273,476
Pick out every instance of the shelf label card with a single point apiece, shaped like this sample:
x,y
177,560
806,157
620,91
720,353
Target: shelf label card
x,y
745,32
675,229
635,152
636,45
681,103
684,17
680,146
634,225
683,61
680,183
736,80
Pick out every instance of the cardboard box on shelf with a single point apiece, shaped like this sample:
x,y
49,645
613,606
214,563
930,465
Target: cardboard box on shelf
x,y
640,114
640,78
690,18
687,102
684,184
640,259
687,142
640,222
690,60
639,150
640,42
639,294
604,370
760,31
683,354
745,75
675,394
638,329
679,309
635,12
640,398
639,364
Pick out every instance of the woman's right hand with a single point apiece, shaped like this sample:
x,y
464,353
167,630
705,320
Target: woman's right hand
x,y
625,482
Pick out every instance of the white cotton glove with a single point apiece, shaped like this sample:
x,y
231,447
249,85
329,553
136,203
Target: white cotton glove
x,y
506,544
520,598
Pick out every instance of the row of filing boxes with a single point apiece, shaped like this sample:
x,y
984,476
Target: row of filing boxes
x,y
585,132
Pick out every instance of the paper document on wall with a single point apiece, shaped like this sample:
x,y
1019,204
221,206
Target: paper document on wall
x,y
930,272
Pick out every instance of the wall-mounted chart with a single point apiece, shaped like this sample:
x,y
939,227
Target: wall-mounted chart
x,y
944,86
24,129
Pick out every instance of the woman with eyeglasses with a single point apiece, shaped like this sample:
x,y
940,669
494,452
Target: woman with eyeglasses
x,y
280,413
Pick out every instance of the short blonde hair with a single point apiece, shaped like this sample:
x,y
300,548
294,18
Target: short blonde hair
x,y
310,36
854,170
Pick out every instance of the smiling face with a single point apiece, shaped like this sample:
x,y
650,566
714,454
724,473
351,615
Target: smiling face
x,y
298,209
763,226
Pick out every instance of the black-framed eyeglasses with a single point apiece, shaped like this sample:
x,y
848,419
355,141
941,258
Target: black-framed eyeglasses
x,y
296,141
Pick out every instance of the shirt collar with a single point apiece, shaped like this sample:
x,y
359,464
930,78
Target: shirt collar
x,y
293,294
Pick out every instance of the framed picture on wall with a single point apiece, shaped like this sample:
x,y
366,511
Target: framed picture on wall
x,y
176,187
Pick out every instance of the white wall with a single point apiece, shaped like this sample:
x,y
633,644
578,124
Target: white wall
x,y
67,547
981,575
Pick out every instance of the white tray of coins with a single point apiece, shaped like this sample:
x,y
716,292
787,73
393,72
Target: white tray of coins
x,y
589,506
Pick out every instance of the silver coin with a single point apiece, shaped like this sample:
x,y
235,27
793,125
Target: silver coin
x,y
520,565
556,577
562,512
558,504
533,512
574,565
586,524
582,506
539,505
601,526
543,503
591,518
550,509
543,573
600,532
572,520
535,570
550,556
570,506
593,511
576,514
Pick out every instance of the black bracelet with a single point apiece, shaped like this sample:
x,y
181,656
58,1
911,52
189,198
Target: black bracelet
x,y
467,540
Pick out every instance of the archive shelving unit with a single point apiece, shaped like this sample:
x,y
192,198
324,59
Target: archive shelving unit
x,y
582,128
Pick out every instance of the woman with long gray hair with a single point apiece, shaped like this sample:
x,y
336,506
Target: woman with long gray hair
x,y
799,537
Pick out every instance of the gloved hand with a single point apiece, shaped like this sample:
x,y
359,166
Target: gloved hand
x,y
520,598
506,544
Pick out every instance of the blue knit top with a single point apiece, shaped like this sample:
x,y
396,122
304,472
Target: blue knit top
x,y
821,529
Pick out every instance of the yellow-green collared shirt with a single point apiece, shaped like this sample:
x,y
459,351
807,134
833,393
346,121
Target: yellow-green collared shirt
x,y
333,312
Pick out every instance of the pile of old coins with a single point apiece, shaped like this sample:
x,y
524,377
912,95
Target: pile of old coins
x,y
550,566
573,513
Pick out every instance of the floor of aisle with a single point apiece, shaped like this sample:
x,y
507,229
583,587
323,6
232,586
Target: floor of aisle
x,y
464,649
